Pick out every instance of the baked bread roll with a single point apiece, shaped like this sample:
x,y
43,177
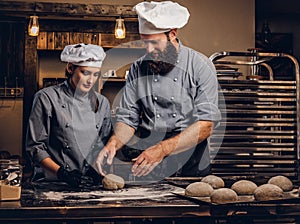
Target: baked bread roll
x,y
268,192
113,182
198,189
215,181
244,187
283,182
223,195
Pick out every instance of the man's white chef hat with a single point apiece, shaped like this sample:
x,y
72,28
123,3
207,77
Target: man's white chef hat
x,y
160,17
83,55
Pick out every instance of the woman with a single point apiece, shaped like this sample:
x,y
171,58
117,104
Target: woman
x,y
70,122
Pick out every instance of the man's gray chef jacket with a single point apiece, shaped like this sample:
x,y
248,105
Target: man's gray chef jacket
x,y
171,102
63,126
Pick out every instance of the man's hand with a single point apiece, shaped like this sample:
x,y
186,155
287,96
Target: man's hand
x,y
72,178
109,152
148,160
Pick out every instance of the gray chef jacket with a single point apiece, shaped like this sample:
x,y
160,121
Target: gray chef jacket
x,y
64,127
171,102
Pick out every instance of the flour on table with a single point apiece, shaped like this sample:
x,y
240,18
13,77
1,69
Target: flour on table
x,y
131,193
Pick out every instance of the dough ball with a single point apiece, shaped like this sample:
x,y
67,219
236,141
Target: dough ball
x,y
281,181
223,195
199,189
113,182
267,192
244,187
215,181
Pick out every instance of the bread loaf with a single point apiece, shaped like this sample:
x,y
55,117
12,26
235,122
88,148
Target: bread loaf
x,y
215,181
223,195
113,182
244,187
281,181
199,189
268,192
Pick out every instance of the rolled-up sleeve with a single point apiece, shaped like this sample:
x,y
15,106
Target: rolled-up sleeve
x,y
38,129
128,111
206,93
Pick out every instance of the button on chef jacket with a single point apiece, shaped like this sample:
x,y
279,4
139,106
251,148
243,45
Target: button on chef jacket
x,y
172,101
169,103
64,127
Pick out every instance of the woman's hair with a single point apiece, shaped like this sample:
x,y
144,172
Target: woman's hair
x,y
69,74
92,95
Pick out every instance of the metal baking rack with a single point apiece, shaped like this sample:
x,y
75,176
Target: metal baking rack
x,y
259,133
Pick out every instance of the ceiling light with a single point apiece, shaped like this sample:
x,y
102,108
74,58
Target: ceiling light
x,y
120,31
33,26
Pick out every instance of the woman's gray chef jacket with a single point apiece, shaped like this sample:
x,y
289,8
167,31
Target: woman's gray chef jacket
x,y
64,126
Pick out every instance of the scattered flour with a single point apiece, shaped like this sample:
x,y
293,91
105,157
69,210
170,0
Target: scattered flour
x,y
131,193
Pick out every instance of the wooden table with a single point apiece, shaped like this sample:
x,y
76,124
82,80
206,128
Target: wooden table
x,y
58,202
152,203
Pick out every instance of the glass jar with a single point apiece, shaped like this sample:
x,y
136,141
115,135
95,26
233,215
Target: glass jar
x,y
10,172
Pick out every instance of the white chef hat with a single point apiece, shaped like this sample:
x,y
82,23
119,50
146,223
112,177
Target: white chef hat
x,y
83,55
160,17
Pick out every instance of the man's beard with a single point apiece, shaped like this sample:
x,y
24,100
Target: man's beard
x,y
163,63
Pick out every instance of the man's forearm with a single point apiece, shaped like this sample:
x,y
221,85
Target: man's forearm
x,y
50,165
122,134
187,139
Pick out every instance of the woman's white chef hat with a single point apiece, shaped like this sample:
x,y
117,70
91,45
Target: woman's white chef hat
x,y
83,55
160,17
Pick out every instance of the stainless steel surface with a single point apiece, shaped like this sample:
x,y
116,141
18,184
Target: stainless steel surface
x,y
260,118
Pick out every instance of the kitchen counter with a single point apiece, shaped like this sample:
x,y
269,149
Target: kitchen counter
x,y
56,202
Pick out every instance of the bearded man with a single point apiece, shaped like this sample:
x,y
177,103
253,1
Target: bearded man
x,y
169,104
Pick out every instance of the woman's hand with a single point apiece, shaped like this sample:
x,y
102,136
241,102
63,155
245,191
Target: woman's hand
x,y
108,153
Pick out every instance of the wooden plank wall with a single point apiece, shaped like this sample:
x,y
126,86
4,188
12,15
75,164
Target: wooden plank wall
x,y
58,40
11,54
66,9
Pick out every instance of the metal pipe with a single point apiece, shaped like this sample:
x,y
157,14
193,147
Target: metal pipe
x,y
270,70
237,62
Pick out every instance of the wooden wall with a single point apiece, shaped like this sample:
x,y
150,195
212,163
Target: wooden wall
x,y
11,54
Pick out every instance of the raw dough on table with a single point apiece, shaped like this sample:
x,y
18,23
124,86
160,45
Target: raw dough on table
x,y
223,195
283,182
199,189
215,181
113,182
268,192
244,187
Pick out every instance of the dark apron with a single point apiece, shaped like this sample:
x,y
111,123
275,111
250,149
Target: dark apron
x,y
191,163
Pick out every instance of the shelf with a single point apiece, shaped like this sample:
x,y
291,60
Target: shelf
x,y
11,92
113,80
58,40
